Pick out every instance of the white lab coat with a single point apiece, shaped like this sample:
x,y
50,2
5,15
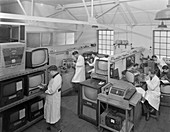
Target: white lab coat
x,y
79,75
93,64
153,93
53,100
160,63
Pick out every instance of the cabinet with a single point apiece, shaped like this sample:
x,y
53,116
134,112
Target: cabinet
x,y
131,113
87,100
14,104
12,33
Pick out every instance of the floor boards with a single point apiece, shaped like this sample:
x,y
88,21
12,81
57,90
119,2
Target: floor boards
x,y
71,123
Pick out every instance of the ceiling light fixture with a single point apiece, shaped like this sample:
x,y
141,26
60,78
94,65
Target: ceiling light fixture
x,y
162,25
163,14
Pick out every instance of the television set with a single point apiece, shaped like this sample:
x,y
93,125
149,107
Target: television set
x,y
13,118
11,90
37,57
130,61
35,108
12,57
88,105
33,81
101,67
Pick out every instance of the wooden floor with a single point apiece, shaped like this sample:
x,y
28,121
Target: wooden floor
x,y
71,123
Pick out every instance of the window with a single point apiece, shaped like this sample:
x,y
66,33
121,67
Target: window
x,y
63,38
161,43
105,42
39,39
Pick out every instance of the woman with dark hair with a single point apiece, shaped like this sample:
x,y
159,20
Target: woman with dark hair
x,y
79,75
151,97
53,98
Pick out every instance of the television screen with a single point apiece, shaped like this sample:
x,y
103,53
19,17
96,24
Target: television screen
x,y
101,67
89,94
37,57
37,106
11,90
14,117
33,80
130,61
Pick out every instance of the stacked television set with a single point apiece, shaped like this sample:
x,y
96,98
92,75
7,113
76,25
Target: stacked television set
x,y
22,87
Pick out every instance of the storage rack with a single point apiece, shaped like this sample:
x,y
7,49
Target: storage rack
x,y
26,98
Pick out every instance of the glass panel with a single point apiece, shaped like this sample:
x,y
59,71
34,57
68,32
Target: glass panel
x,y
108,37
156,51
112,53
168,33
100,51
100,36
104,42
104,37
100,41
104,32
108,52
156,39
108,47
69,38
162,56
100,32
162,46
100,46
168,46
112,32
156,45
168,40
163,33
163,39
168,52
108,32
163,52
108,42
157,33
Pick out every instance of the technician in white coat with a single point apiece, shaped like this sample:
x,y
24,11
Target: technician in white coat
x,y
53,98
152,95
79,75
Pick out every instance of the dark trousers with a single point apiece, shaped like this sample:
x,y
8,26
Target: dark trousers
x,y
147,107
76,86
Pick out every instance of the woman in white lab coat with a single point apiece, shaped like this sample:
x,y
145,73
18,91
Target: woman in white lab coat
x,y
79,75
53,98
152,95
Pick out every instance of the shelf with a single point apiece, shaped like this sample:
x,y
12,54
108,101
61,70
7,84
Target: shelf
x,y
123,128
22,73
26,98
29,124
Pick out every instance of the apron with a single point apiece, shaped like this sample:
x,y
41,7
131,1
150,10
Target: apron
x,y
79,75
153,92
53,100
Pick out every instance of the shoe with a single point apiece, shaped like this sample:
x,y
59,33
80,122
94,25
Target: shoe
x,y
49,128
59,130
147,117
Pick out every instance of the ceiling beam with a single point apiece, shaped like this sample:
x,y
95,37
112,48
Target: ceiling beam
x,y
40,19
96,3
20,4
85,6
107,11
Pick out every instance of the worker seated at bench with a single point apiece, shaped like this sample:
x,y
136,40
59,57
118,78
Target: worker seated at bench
x,y
165,80
151,97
